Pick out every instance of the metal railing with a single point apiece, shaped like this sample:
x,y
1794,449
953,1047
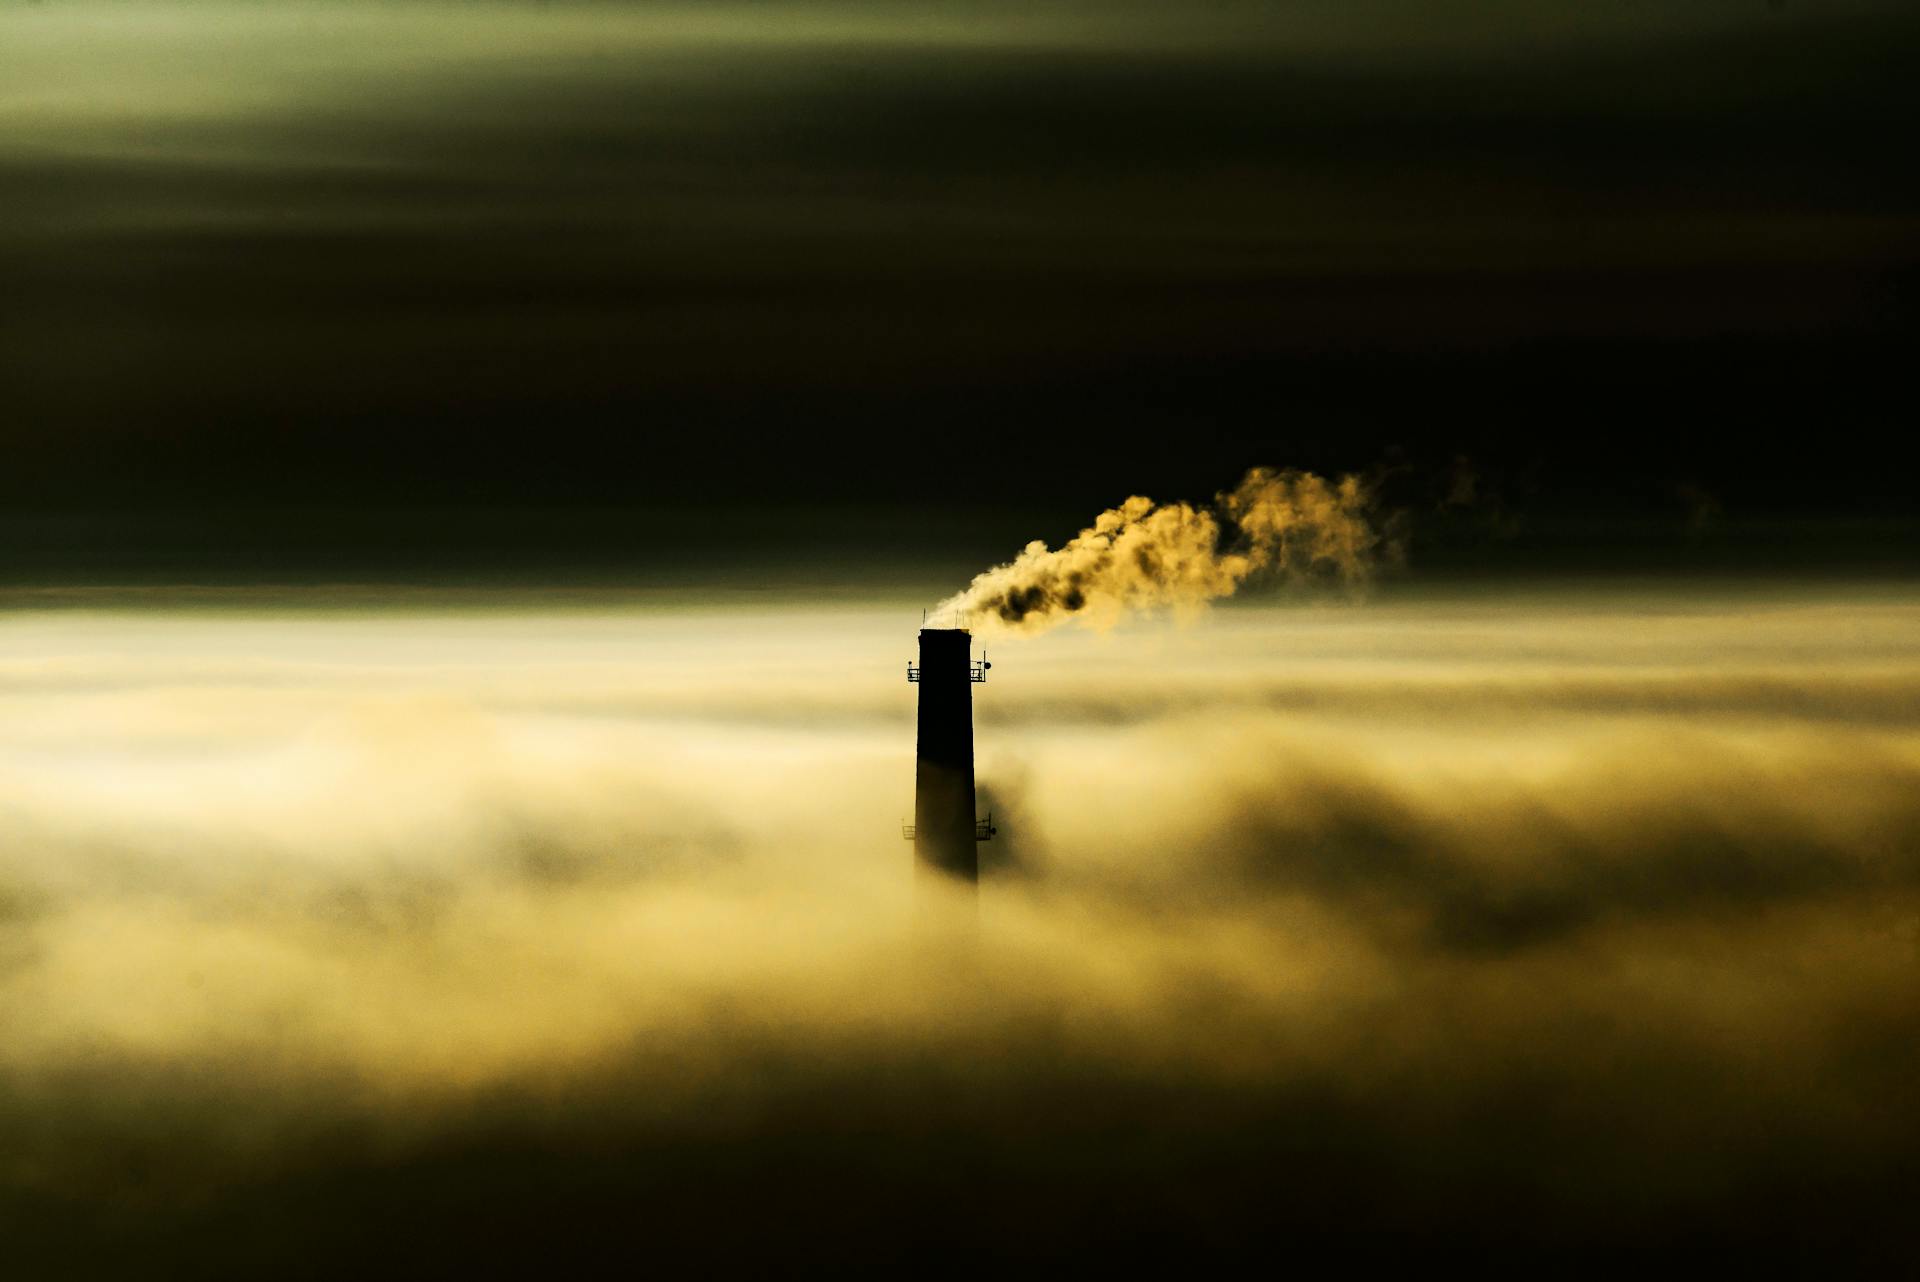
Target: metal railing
x,y
976,672
983,829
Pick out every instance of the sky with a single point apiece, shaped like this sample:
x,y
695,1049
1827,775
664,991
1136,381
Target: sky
x,y
1433,478
282,276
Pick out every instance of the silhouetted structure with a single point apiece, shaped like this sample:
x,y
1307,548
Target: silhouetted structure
x,y
944,829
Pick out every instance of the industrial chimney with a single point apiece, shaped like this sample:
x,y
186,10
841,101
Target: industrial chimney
x,y
944,829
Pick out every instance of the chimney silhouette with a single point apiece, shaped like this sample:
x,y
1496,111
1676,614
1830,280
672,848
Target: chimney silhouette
x,y
944,828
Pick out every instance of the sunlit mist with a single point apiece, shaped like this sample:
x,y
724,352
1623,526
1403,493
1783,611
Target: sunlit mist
x,y
359,872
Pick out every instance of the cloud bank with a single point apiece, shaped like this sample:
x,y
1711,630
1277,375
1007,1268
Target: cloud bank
x,y
447,939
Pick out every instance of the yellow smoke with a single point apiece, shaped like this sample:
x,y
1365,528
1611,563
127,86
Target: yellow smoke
x,y
1145,556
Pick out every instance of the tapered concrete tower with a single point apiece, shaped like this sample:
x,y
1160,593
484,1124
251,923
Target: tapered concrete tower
x,y
944,827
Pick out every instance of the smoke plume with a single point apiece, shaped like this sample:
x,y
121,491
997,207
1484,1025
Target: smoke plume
x,y
1146,556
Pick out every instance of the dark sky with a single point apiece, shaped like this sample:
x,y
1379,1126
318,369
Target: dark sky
x,y
320,281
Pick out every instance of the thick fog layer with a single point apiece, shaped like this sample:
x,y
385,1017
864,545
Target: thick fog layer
x,y
1525,919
